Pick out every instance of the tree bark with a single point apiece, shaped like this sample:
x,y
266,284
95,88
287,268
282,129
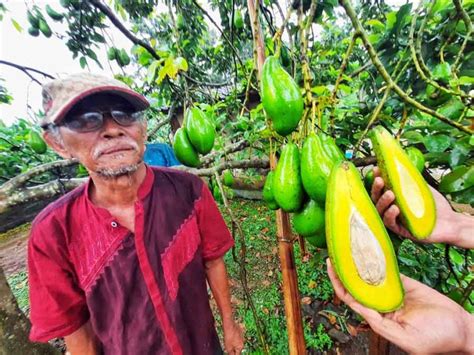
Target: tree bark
x,y
14,326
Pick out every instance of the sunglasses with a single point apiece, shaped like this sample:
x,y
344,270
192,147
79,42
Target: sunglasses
x,y
93,121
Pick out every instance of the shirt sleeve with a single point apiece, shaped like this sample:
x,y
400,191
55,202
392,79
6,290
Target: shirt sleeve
x,y
57,304
215,236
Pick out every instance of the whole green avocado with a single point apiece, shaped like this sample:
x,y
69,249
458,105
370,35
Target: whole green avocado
x,y
281,97
287,186
318,156
200,129
184,150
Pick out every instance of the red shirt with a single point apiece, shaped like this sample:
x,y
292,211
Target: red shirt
x,y
144,293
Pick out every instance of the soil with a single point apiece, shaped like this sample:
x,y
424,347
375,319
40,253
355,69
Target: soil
x,y
13,252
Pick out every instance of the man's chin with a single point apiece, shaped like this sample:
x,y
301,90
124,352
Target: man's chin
x,y
113,172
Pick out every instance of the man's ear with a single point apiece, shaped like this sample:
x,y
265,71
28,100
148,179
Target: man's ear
x,y
56,143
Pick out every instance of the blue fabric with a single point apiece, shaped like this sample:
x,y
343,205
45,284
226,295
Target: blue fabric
x,y
160,154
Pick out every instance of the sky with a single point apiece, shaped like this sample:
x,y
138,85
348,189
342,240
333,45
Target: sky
x,y
49,55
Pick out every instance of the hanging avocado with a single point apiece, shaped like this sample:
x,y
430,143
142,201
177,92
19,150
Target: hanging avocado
x,y
281,97
53,14
32,19
369,180
44,28
310,220
112,53
267,193
287,186
184,150
36,142
33,31
238,19
318,156
358,244
412,194
201,131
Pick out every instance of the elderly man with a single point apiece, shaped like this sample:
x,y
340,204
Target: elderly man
x,y
120,264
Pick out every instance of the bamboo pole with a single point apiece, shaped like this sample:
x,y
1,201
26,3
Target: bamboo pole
x,y
285,237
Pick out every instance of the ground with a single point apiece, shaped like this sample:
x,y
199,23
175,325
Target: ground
x,y
329,327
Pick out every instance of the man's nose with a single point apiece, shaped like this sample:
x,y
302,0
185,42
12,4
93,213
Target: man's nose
x,y
110,128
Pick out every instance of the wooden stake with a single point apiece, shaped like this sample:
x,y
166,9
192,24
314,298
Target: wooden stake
x,y
291,295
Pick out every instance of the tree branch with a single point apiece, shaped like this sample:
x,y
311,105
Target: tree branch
x,y
39,192
383,72
229,149
468,23
27,70
20,180
221,32
415,49
107,11
240,164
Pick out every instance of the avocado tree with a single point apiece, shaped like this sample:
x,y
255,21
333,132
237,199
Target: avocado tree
x,y
408,69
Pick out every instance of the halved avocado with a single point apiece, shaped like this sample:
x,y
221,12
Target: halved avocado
x,y
412,194
358,244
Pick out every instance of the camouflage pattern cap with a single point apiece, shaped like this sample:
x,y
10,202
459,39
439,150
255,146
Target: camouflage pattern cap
x,y
60,95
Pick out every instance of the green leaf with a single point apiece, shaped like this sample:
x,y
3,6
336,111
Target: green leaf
x,y
152,71
471,139
456,256
17,26
376,24
459,179
459,154
320,90
413,137
391,18
437,143
466,80
181,63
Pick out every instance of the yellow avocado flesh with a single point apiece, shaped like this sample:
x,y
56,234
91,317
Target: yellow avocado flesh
x,y
412,194
348,204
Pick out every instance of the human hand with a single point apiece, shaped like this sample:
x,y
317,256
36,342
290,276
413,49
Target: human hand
x,y
428,322
451,227
233,337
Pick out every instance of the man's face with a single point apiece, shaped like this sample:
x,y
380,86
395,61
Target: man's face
x,y
110,151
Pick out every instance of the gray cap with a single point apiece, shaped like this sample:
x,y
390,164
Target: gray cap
x,y
60,95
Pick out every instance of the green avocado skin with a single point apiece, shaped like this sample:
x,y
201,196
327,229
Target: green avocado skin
x,y
184,150
36,142
200,130
281,97
318,156
310,220
267,192
287,186
317,240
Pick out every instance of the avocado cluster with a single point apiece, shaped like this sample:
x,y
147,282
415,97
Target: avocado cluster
x,y
194,138
38,22
299,183
331,206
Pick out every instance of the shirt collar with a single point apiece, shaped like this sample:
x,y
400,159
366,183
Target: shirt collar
x,y
143,190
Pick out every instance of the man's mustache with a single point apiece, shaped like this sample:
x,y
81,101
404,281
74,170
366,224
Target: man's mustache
x,y
123,144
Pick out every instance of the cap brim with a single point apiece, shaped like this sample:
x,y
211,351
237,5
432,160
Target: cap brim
x,y
138,101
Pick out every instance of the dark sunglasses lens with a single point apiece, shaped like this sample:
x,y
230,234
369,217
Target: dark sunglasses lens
x,y
86,122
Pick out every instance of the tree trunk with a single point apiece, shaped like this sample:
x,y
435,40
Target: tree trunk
x,y
14,326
